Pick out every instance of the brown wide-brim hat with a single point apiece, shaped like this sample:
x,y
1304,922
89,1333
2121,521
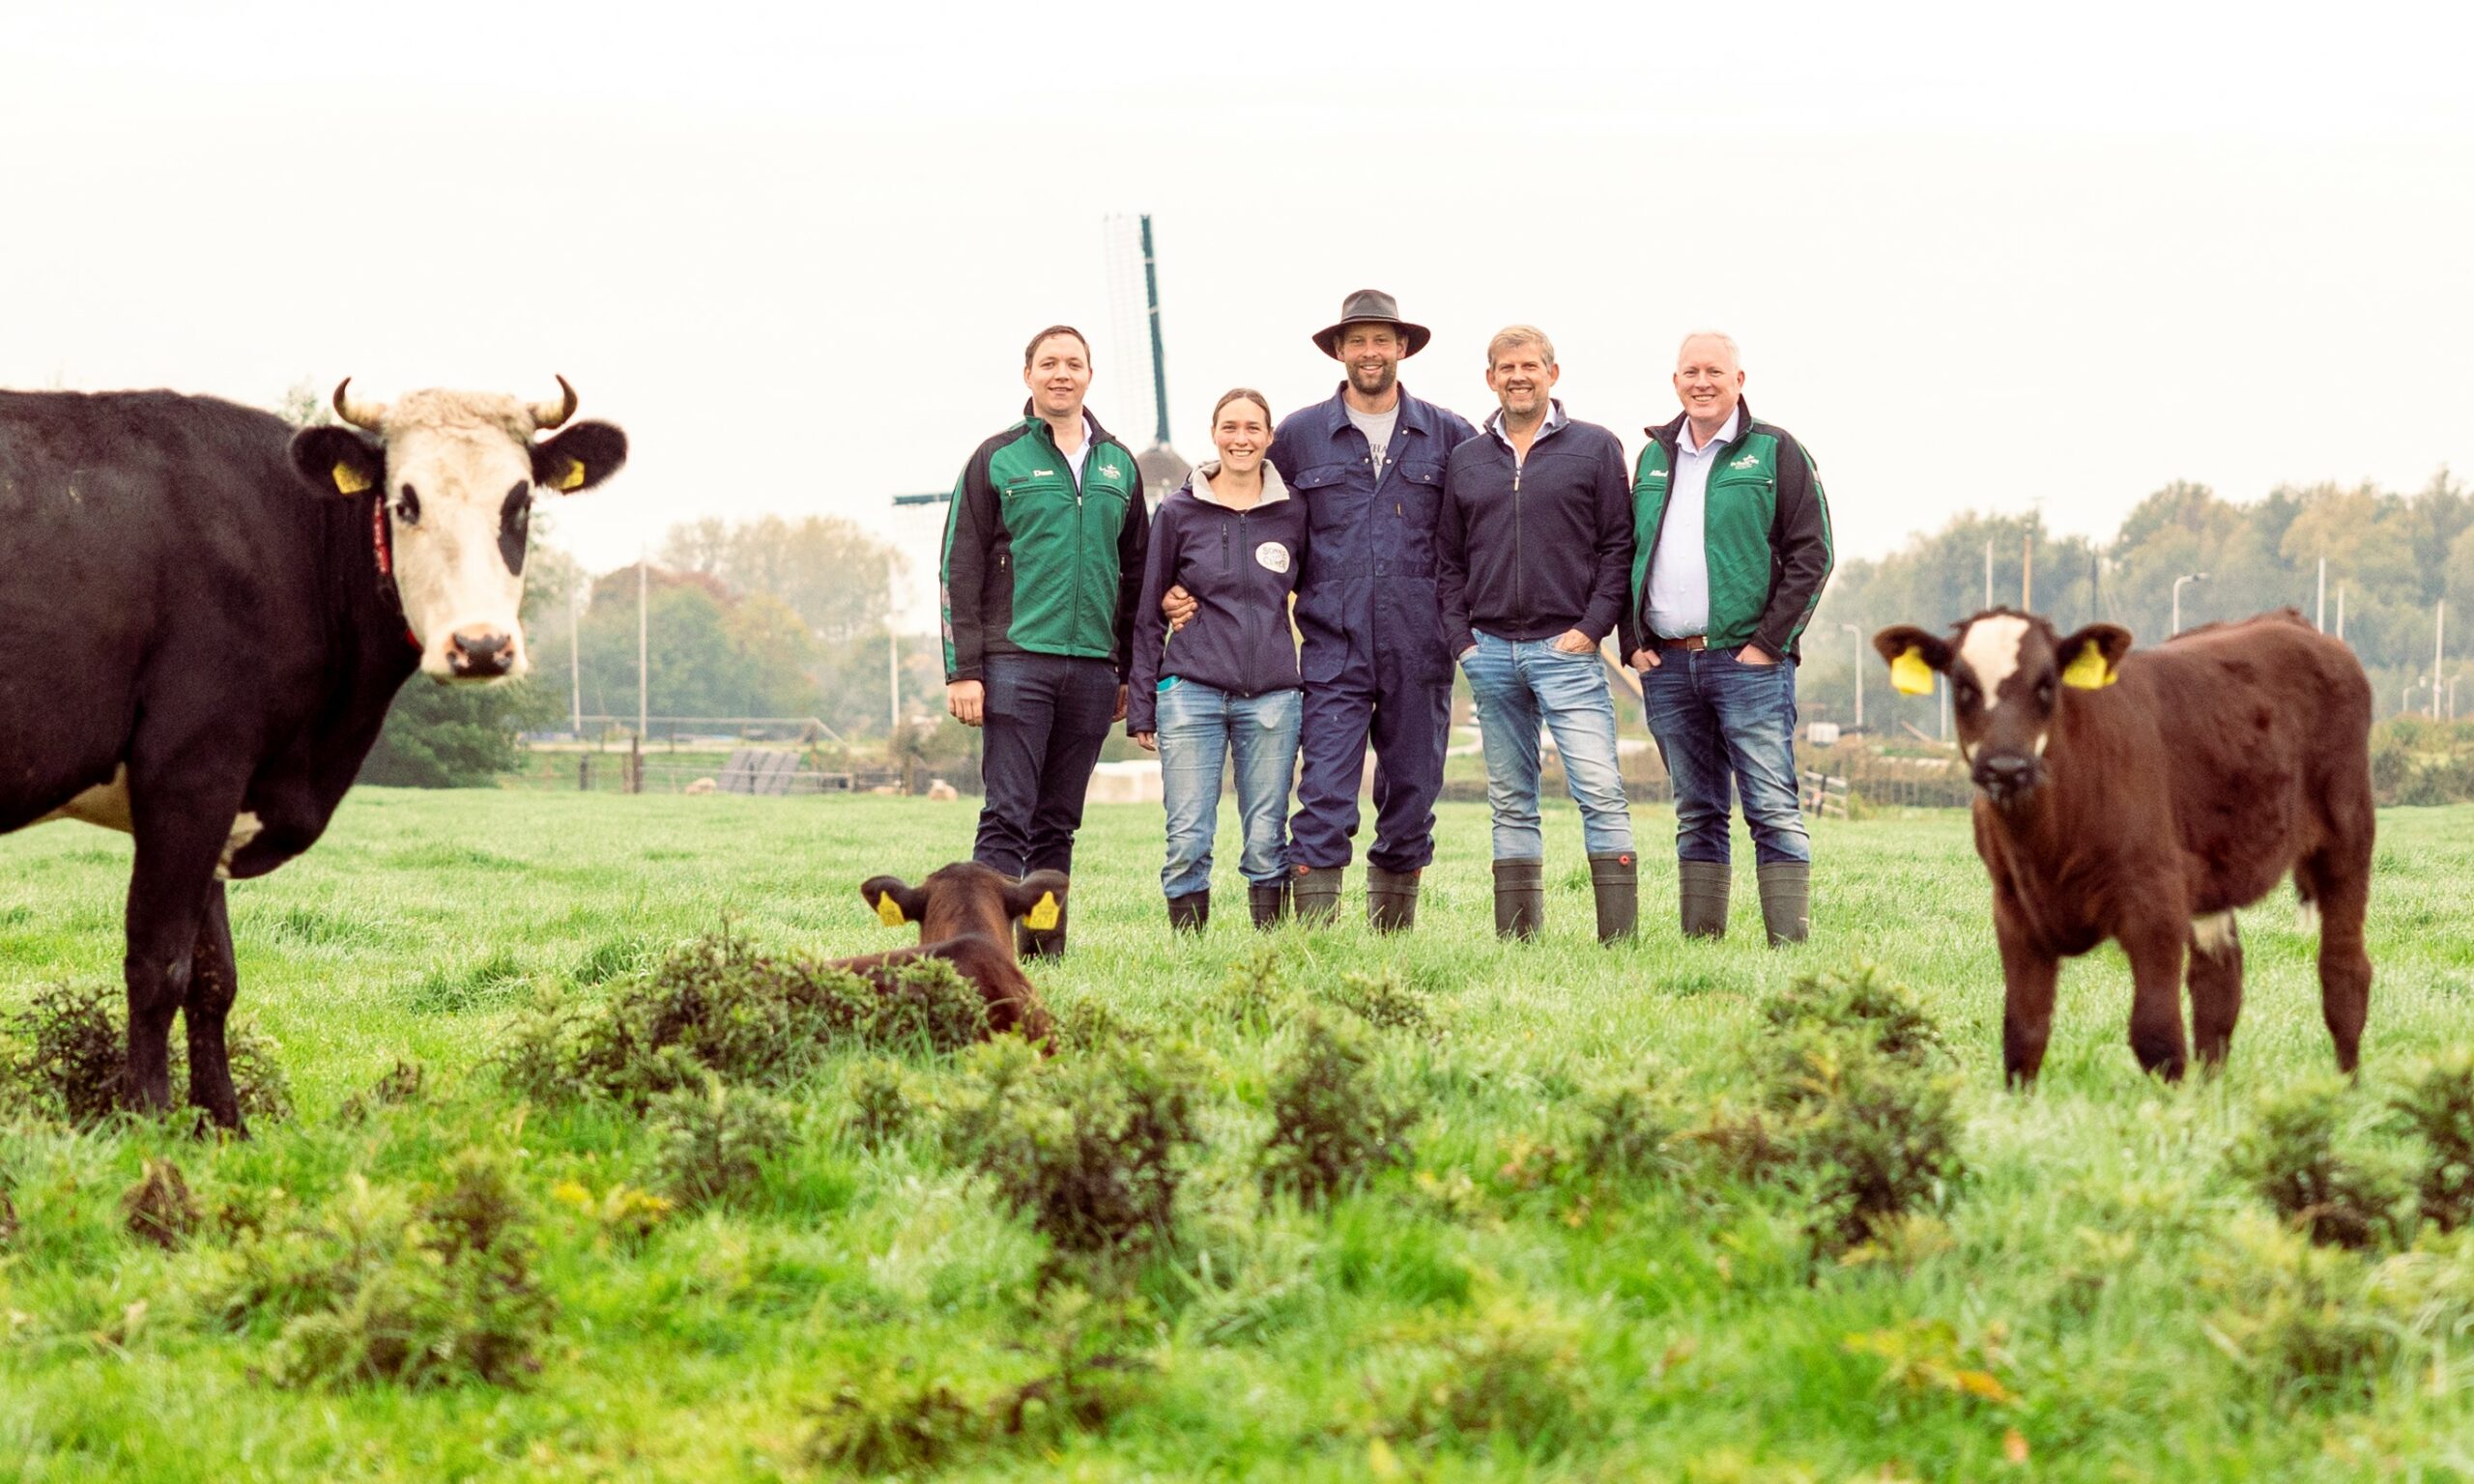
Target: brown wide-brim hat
x,y
1370,306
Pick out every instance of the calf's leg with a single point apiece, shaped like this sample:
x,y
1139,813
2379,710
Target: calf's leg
x,y
2340,888
181,835
2028,974
2156,1037
2216,987
214,983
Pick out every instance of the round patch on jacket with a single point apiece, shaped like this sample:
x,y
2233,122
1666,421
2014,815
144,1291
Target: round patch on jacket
x,y
1273,555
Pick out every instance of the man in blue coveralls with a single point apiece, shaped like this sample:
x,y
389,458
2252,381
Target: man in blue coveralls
x,y
1368,464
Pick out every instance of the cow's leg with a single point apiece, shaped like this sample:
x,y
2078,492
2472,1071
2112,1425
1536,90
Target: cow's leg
x,y
181,835
2216,987
2028,972
2340,888
213,982
2155,949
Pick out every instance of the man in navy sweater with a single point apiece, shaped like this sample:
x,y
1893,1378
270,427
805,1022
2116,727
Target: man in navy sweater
x,y
1533,556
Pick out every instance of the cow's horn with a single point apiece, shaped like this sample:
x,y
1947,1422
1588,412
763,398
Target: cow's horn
x,y
361,414
550,415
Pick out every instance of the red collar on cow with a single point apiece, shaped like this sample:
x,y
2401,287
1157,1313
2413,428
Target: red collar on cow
x,y
381,542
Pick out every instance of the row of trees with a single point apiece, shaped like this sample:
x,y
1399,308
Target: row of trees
x,y
2391,560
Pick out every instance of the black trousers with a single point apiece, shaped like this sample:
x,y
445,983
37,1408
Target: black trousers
x,y
1045,721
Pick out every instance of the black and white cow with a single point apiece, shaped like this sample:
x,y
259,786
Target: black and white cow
x,y
198,650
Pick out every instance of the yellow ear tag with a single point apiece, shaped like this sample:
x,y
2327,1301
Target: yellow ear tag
x,y
889,911
1043,914
1910,675
2089,672
348,479
573,478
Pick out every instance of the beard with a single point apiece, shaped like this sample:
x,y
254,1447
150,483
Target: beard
x,y
1374,384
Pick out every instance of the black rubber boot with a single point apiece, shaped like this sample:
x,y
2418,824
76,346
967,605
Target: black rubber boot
x,y
1701,897
1614,880
1391,899
1268,902
1315,895
1787,901
1030,942
1520,898
1190,913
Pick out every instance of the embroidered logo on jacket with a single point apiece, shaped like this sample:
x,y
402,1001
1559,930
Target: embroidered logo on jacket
x,y
1749,461
1272,557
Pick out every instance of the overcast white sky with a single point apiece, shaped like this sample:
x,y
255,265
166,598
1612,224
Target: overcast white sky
x,y
1977,256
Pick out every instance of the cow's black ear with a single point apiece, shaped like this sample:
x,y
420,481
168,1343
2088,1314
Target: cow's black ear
x,y
578,458
894,903
2090,657
1042,891
1914,656
337,461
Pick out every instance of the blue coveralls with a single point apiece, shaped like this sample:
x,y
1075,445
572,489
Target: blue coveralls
x,y
1375,658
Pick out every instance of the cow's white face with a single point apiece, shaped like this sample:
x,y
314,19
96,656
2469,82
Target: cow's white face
x,y
454,475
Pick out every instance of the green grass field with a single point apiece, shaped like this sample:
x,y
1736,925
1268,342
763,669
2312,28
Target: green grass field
x,y
1485,1312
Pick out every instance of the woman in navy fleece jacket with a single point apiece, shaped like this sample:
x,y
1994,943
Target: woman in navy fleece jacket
x,y
1229,680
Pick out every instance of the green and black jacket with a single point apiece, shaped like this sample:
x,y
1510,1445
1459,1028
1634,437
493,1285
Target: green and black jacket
x,y
1033,565
1766,530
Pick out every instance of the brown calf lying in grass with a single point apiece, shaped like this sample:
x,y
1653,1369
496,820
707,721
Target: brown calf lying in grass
x,y
965,914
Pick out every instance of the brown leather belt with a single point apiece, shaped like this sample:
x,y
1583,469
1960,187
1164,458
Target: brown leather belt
x,y
1687,641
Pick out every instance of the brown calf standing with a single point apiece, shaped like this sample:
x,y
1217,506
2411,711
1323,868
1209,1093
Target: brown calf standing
x,y
2143,797
965,914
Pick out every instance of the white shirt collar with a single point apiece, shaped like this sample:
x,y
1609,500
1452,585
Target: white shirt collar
x,y
1726,435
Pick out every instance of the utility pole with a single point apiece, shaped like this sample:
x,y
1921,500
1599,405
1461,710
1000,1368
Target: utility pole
x,y
2187,577
2321,622
644,648
1859,672
2439,652
1988,577
2027,572
893,655
575,654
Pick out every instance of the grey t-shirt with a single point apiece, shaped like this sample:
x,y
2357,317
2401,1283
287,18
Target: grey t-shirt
x,y
1378,428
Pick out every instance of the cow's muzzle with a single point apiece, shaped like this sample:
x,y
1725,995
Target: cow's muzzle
x,y
479,652
2007,777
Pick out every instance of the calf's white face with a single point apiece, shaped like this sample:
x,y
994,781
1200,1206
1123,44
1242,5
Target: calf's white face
x,y
453,475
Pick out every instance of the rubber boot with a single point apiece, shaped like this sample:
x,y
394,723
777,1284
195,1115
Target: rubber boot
x,y
1314,894
1268,902
1391,899
1787,901
1190,913
1701,897
1614,880
1034,943
1520,898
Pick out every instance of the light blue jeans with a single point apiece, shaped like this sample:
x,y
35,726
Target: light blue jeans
x,y
1518,684
1201,726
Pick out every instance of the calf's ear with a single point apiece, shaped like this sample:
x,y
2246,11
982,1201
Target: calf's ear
x,y
578,458
2089,656
1914,656
337,461
1037,896
894,903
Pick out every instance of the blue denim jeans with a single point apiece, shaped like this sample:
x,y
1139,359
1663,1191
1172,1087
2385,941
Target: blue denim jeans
x,y
1717,722
1518,684
1201,726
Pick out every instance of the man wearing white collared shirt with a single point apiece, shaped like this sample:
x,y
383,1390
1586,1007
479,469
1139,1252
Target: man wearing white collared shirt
x,y
1732,538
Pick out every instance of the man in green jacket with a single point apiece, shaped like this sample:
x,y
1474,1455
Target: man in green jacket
x,y
1044,554
1732,547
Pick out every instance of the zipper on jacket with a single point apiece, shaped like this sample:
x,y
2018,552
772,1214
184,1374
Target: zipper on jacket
x,y
1518,605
